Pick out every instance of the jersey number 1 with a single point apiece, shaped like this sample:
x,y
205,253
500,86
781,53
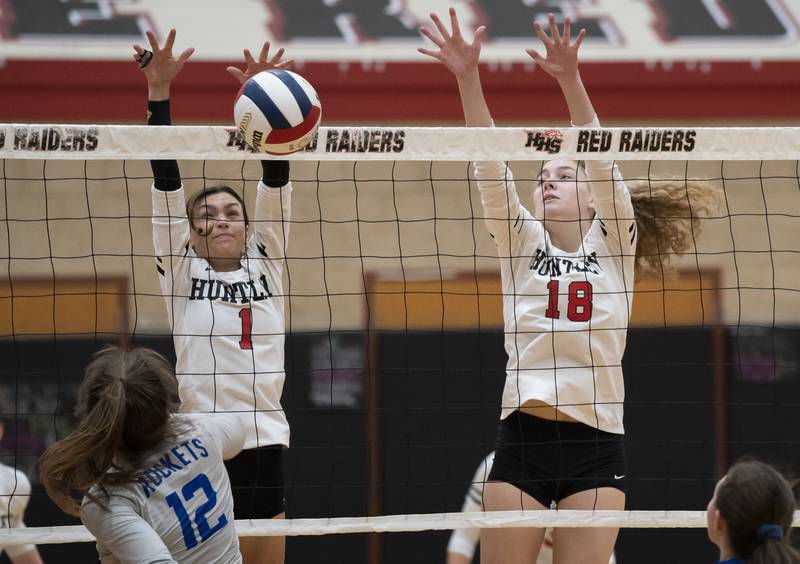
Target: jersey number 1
x,y
246,315
579,302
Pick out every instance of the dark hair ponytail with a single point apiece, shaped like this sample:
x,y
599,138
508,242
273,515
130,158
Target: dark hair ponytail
x,y
758,505
124,407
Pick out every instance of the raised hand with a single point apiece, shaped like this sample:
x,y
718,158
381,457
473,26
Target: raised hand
x,y
263,63
460,57
561,61
159,65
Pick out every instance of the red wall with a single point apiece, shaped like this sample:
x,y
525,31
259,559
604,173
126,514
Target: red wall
x,y
114,92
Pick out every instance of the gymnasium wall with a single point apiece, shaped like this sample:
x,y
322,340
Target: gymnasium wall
x,y
440,233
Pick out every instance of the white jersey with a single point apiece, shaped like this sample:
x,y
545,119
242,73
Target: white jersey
x,y
228,327
465,541
15,492
565,314
182,509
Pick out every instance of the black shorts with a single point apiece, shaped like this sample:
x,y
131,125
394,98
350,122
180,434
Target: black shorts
x,y
257,482
551,460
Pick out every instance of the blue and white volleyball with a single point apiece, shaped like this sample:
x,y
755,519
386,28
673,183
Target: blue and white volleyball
x,y
277,111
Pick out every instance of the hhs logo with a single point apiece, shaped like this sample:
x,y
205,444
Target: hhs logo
x,y
549,140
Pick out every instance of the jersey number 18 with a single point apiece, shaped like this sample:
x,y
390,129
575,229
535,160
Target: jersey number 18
x,y
579,301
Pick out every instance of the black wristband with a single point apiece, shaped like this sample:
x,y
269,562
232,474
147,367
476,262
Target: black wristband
x,y
158,113
166,174
276,173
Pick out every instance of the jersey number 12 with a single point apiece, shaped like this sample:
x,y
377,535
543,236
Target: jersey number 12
x,y
196,484
579,302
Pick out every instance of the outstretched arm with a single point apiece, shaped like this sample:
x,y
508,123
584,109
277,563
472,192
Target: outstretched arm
x,y
611,198
273,199
170,224
275,172
505,217
263,63
461,58
160,68
561,62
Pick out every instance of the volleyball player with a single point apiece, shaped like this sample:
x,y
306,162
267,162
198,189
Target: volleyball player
x,y
567,271
153,483
750,516
463,542
223,288
15,492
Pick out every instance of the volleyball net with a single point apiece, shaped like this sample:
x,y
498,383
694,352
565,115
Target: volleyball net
x,y
394,309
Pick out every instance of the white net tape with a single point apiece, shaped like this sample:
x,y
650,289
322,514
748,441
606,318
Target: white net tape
x,y
407,523
93,142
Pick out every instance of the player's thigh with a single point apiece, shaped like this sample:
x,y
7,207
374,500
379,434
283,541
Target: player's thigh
x,y
509,545
263,550
587,545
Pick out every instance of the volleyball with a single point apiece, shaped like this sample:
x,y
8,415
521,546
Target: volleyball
x,y
277,111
